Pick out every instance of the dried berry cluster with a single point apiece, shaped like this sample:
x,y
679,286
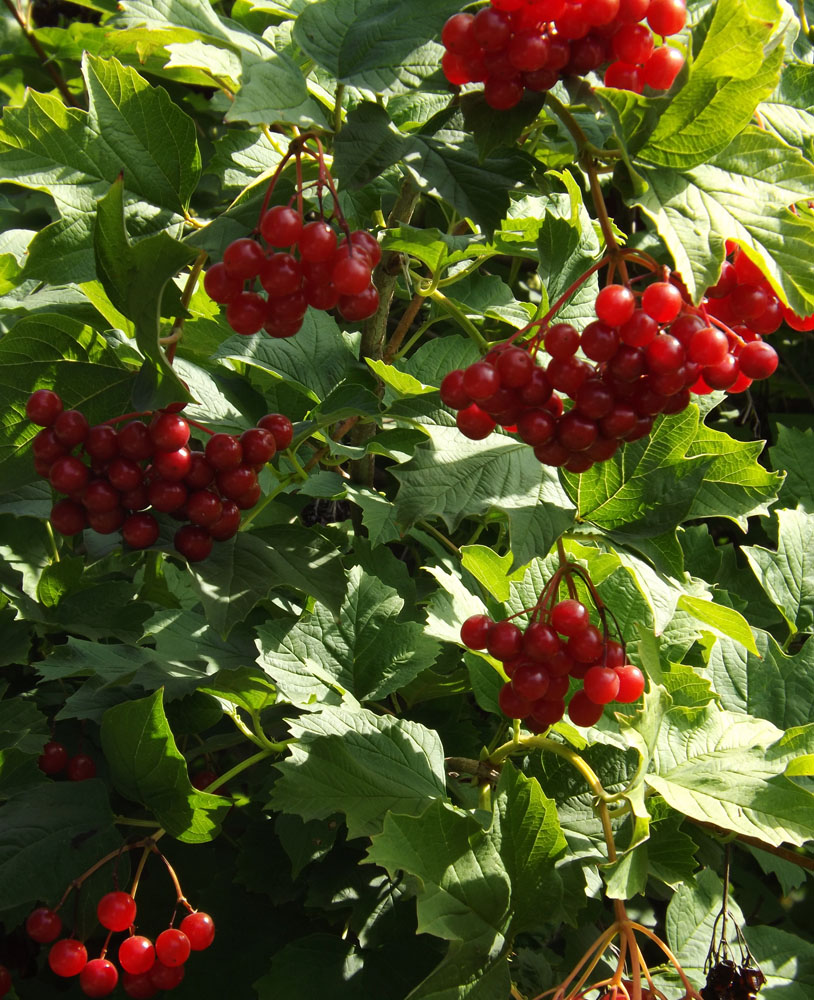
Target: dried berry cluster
x,y
558,645
146,966
643,355
301,262
513,46
119,479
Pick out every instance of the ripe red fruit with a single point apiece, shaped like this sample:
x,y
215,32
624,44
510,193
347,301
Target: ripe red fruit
x,y
358,307
721,376
134,441
475,631
662,301
200,929
535,427
70,428
481,380
166,496
136,955
512,704
67,957
601,685
631,683
351,272
456,35
599,341
317,241
547,711
624,76
586,646
243,259
172,465
105,522
124,473
758,360
666,17
491,29
615,304
5,980
515,367
281,226
228,523
193,542
505,640
541,642
280,426
67,517
569,617
281,275
223,451
233,483
43,925
204,507
664,354
116,911
81,767
140,531
662,68
140,987
68,474
99,496
582,711
709,346
221,286
98,978
633,43
166,978
201,473
528,51
561,341
43,406
46,447
576,432
503,94
474,423
246,313
452,390
595,399
169,431
530,680
172,947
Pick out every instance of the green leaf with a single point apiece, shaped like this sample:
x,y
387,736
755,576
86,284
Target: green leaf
x,y
794,454
134,276
359,764
786,960
723,620
246,687
147,767
51,351
75,156
490,569
368,653
729,76
727,769
789,112
787,575
743,192
22,726
243,571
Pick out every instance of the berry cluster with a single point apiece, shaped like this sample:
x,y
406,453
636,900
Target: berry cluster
x,y
299,263
558,644
646,352
120,476
54,760
147,966
516,45
726,980
5,981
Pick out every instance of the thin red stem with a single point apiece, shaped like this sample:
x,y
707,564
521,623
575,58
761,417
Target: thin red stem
x,y
200,427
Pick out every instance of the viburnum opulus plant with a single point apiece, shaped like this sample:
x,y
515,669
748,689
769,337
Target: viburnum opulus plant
x,y
406,499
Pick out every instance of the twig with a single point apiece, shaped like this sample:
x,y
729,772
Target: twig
x,y
48,65
404,324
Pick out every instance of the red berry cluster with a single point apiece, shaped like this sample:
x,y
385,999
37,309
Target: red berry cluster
x,y
5,981
54,760
120,475
307,267
516,45
558,644
147,967
646,352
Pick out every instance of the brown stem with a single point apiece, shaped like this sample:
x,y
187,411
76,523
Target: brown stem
x,y
142,862
404,324
780,852
180,898
337,435
601,209
48,65
177,331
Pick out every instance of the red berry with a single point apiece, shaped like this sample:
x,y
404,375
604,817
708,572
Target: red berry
x,y
503,94
528,51
281,275
172,947
166,496
81,767
568,375
68,474
228,523
662,301
5,980
169,432
481,380
98,978
505,640
582,711
530,680
541,642
615,304
561,341
474,423
632,10
105,522
456,35
452,390
569,617
594,399
721,376
624,76
324,297
662,68
515,367
631,683
203,779
667,17
204,507
116,911
576,432
491,28
70,428
140,531
223,451
548,711
601,685
67,957
172,465
43,406
639,330
233,483
281,226
512,704
99,497
599,342
166,978
200,473
193,542
136,955
351,272
221,286
475,631
243,259
758,360
664,354
358,307
200,929
317,241
44,925
246,313
280,426
586,646
46,447
551,453
140,987
134,441
68,517
633,43
536,427
708,346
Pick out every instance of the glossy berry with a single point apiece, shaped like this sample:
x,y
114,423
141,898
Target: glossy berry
x,y
204,507
624,76
708,346
561,341
220,285
512,704
667,17
505,640
601,685
631,683
68,474
351,273
758,360
531,680
540,642
233,483
67,517
662,301
223,451
586,646
452,390
582,711
172,465
124,473
67,957
99,496
116,911
98,978
474,423
662,68
166,496
228,523
569,617
172,947
280,426
134,441
514,367
81,767
193,542
548,711
164,977
615,304
139,987
281,226
243,259
317,241
70,428
475,631
43,925
599,341
46,447
633,43
246,313
140,531
42,407
358,307
169,432
136,954
200,929
481,380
